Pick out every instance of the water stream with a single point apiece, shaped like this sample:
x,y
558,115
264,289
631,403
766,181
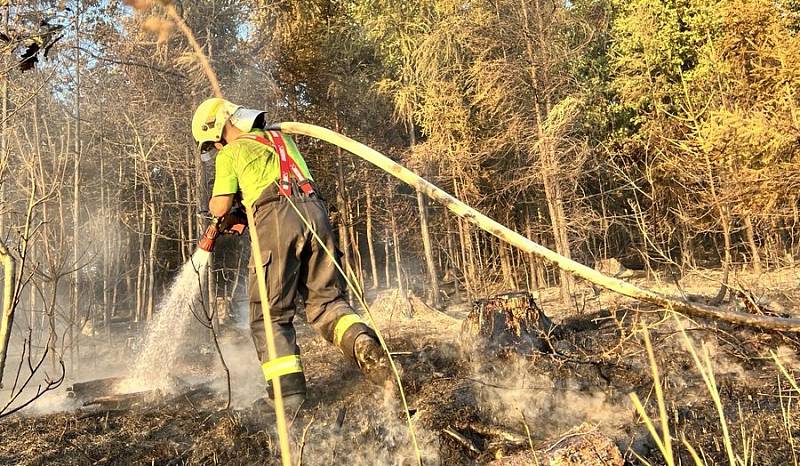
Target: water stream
x,y
164,334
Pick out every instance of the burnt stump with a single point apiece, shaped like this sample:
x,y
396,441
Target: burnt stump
x,y
505,324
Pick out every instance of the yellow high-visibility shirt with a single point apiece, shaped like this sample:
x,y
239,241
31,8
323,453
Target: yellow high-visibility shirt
x,y
249,166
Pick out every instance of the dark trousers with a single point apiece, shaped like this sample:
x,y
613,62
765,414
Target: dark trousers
x,y
296,266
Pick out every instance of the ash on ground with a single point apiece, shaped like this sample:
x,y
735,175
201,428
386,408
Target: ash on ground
x,y
464,410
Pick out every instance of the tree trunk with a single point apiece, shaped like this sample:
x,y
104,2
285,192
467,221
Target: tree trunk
x,y
4,127
467,251
477,246
541,269
451,262
76,191
547,158
386,257
726,264
422,210
129,291
370,244
751,242
506,266
181,233
466,258
355,247
604,224
687,249
534,283
426,243
503,324
453,256
341,202
31,315
51,319
558,223
781,249
105,211
151,259
8,265
191,211
140,271
38,142
398,259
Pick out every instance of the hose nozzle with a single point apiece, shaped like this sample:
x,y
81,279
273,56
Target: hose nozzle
x,y
209,238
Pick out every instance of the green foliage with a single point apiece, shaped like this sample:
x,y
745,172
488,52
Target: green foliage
x,y
712,84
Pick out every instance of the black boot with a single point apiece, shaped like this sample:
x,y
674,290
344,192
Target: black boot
x,y
292,404
372,360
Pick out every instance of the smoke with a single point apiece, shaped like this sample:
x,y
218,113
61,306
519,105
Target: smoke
x,y
94,358
374,431
52,402
513,394
247,381
721,361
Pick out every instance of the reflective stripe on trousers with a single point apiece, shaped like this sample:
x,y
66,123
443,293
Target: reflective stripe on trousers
x,y
342,325
281,366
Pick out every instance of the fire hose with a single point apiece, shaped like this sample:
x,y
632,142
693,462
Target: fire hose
x,y
504,233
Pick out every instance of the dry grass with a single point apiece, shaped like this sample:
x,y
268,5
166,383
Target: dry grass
x,y
541,399
742,454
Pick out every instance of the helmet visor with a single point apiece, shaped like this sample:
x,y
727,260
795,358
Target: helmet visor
x,y
207,151
245,118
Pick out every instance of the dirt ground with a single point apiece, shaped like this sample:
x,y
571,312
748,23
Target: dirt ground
x,y
500,406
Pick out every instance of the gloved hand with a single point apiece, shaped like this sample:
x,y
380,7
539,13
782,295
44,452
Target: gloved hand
x,y
234,221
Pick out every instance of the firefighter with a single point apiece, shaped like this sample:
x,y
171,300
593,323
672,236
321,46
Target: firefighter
x,y
267,171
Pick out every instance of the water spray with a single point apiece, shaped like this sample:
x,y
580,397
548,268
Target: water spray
x,y
162,340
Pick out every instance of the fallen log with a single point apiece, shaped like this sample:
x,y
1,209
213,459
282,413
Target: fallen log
x,y
105,391
89,389
124,400
466,212
99,396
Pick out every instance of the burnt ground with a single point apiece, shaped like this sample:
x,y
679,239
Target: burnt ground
x,y
491,401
